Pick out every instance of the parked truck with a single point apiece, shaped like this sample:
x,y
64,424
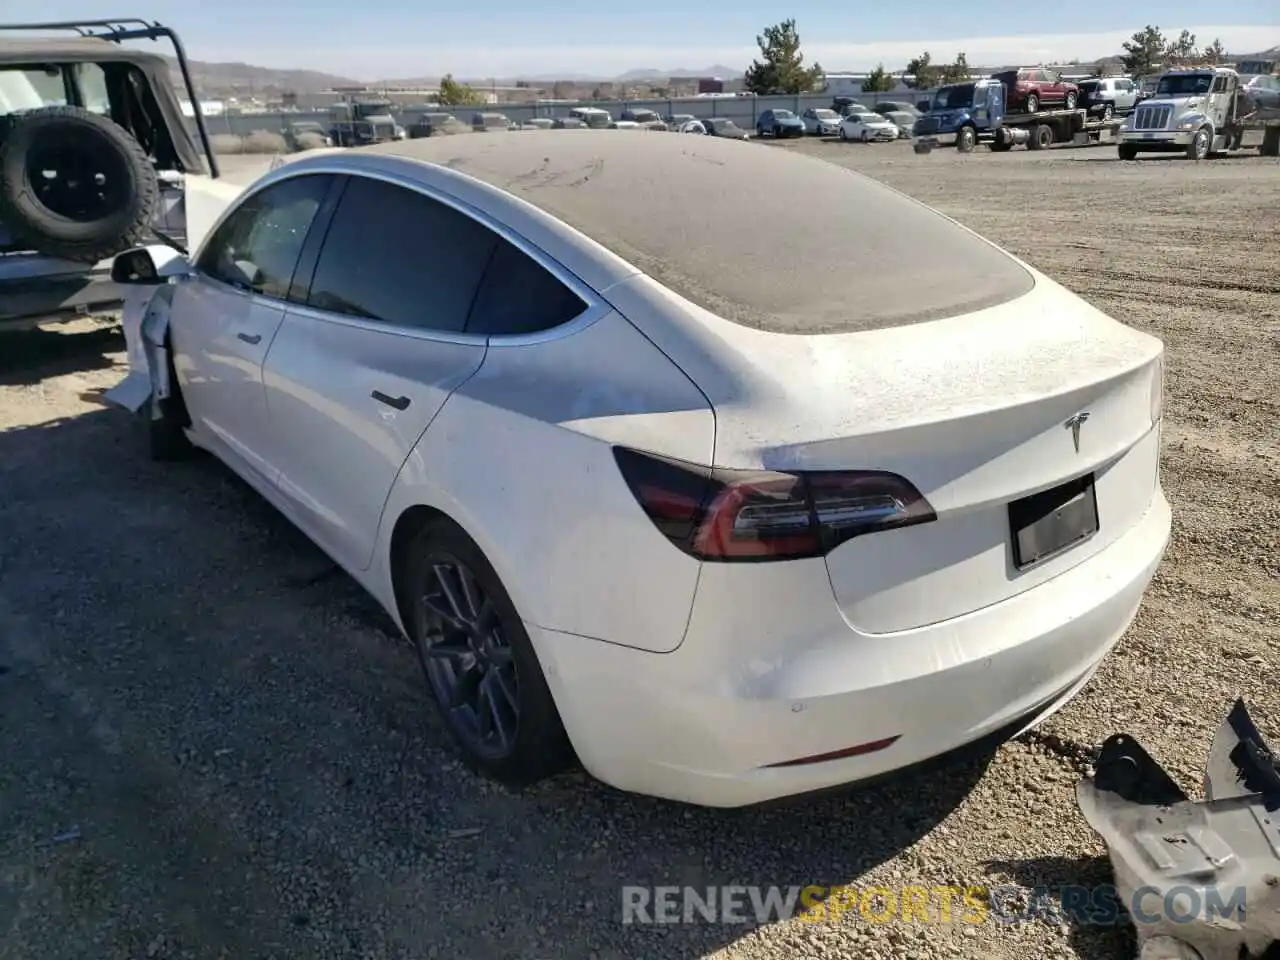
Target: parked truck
x,y
966,114
1201,113
359,123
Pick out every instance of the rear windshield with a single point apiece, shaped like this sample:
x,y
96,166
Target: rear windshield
x,y
778,262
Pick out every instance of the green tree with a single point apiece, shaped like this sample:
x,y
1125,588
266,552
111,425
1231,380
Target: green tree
x,y
1215,52
955,72
923,71
455,94
1144,51
1182,51
781,68
878,81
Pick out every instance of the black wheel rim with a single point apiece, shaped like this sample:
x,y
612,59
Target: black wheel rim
x,y
468,660
76,183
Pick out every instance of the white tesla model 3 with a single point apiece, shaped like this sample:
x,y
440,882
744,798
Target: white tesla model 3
x,y
586,415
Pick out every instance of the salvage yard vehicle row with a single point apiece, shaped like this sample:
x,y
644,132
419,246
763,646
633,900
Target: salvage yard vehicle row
x,y
242,745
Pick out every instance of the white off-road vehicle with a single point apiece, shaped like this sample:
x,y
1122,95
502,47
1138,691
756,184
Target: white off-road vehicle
x,y
1200,112
95,158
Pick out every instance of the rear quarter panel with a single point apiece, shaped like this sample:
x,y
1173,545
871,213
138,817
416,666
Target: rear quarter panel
x,y
521,457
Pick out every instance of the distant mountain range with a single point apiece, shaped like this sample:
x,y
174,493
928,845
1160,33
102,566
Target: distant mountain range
x,y
221,77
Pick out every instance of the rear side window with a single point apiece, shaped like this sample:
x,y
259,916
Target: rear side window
x,y
519,296
395,256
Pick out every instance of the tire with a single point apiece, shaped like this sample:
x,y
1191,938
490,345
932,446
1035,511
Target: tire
x,y
759,132
844,134
1033,103
1108,111
1270,146
1198,148
1127,151
1041,138
50,214
1071,100
538,746
866,137
966,139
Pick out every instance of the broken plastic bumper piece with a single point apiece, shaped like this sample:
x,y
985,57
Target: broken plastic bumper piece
x,y
1201,879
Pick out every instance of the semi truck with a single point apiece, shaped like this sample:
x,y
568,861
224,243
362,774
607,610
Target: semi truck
x,y
1200,112
967,114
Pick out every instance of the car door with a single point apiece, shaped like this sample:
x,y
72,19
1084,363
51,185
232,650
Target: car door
x,y
1050,85
1125,95
227,312
368,353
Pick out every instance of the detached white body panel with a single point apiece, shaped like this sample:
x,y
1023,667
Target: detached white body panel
x,y
802,649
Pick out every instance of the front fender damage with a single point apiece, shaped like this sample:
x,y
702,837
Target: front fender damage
x,y
1200,879
145,322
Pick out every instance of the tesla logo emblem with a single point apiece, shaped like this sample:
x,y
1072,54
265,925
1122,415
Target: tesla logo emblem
x,y
1074,425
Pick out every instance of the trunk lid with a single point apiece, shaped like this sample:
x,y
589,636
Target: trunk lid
x,y
973,410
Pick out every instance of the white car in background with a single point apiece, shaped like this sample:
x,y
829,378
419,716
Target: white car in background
x,y
867,127
636,502
821,122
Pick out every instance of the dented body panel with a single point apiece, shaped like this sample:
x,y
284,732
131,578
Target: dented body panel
x,y
145,323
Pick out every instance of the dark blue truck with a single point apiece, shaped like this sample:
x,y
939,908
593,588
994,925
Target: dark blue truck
x,y
966,114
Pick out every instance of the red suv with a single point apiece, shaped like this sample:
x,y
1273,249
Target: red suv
x,y
1033,88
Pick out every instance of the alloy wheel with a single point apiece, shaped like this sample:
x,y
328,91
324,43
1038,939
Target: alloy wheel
x,y
467,660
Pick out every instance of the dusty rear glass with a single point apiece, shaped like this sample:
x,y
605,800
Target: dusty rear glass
x,y
762,236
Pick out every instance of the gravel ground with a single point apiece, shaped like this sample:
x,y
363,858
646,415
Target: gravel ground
x,y
215,747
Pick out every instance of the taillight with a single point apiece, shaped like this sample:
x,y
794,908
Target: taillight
x,y
756,515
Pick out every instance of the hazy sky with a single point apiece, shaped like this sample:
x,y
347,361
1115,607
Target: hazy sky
x,y
377,39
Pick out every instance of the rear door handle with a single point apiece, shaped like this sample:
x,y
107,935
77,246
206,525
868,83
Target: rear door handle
x,y
399,403
249,337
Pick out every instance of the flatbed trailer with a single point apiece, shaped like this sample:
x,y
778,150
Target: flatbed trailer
x,y
1266,121
1036,131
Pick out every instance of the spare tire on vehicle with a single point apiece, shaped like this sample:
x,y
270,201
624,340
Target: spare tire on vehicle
x,y
75,185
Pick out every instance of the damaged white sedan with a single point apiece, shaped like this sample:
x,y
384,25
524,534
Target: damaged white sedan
x,y
644,489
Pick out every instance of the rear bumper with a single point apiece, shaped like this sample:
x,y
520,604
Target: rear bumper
x,y
769,676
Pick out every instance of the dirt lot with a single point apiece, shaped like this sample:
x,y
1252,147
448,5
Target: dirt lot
x,y
214,747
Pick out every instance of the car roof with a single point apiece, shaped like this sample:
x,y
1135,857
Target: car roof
x,y
72,50
767,263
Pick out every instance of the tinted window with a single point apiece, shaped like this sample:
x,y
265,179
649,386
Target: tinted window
x,y
257,246
397,256
518,296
